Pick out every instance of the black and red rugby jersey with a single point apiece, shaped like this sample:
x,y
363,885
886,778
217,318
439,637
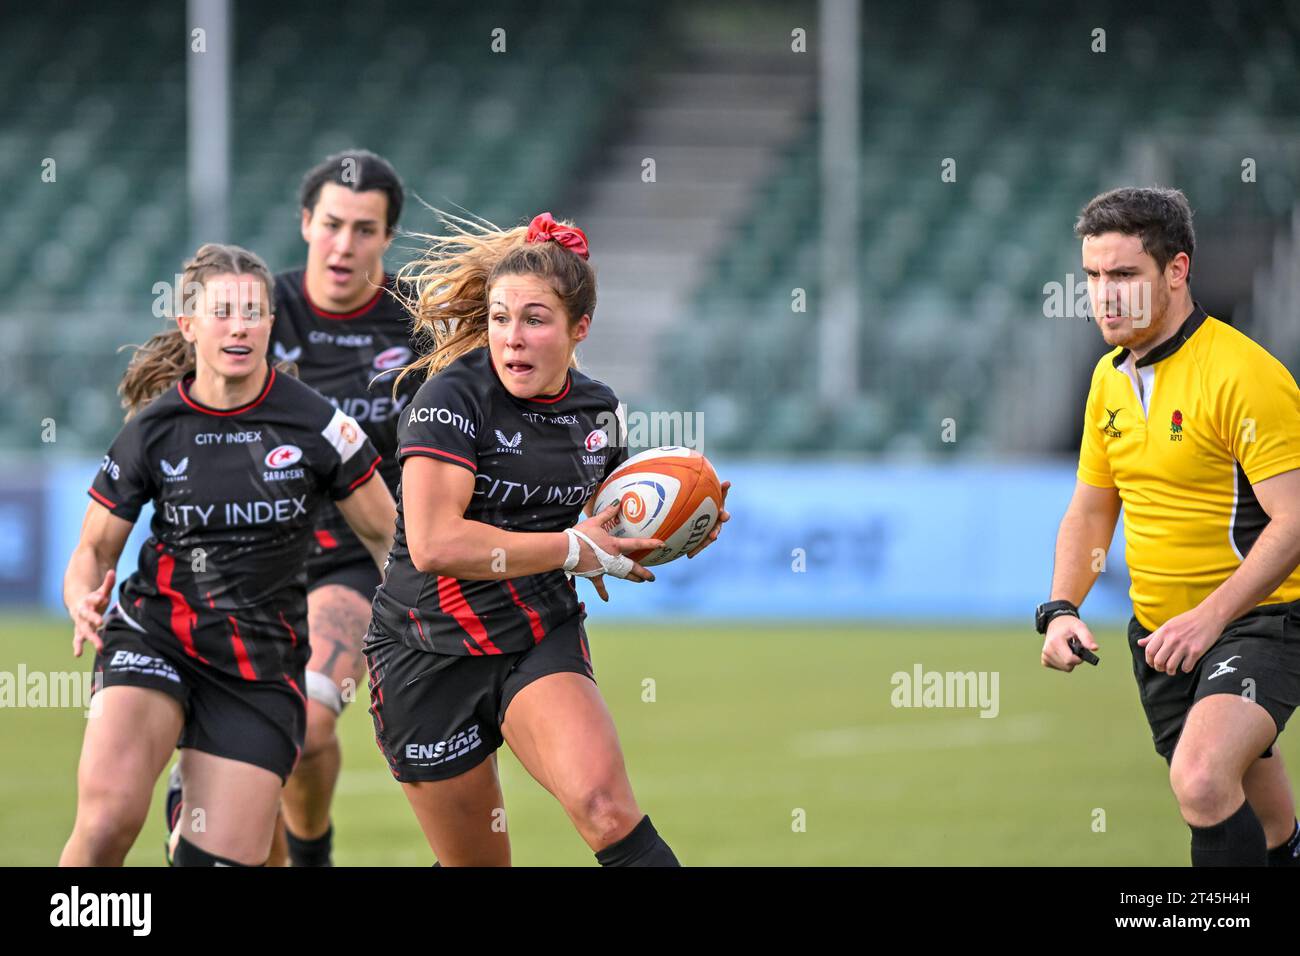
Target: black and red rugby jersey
x,y
535,464
352,358
236,494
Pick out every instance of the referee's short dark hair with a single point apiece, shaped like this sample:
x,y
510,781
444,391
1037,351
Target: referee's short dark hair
x,y
360,170
1161,218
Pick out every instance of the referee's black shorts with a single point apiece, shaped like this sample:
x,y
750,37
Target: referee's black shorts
x,y
439,715
1257,656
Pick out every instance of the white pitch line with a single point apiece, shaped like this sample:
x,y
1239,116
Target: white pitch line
x,y
906,734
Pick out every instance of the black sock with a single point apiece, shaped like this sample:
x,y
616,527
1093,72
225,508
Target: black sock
x,y
1288,854
315,852
1237,841
642,847
187,854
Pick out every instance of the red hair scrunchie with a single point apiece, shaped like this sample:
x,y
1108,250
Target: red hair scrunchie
x,y
544,228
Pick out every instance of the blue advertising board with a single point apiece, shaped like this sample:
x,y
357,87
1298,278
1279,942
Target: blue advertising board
x,y
809,540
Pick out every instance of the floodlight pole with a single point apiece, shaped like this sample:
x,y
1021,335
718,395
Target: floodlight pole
x,y
839,101
209,39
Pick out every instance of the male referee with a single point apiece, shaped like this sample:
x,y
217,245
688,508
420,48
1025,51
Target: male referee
x,y
1195,430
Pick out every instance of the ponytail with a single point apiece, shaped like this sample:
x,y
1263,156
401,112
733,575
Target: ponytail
x,y
155,367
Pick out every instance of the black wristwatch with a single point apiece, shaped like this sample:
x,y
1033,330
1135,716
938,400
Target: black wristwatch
x,y
1045,612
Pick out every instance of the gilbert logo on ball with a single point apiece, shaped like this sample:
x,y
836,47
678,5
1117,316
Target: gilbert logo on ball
x,y
669,493
283,456
633,505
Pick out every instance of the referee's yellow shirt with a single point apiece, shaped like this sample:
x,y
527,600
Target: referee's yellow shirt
x,y
1182,434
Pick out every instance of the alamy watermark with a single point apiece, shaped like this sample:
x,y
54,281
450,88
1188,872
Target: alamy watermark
x,y
1071,299
951,689
133,911
642,430
55,689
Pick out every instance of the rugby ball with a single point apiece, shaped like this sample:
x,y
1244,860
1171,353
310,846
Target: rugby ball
x,y
669,493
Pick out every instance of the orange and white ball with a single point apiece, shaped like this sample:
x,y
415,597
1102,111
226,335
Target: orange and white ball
x,y
669,493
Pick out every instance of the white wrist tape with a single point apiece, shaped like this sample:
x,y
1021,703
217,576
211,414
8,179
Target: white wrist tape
x,y
619,565
575,550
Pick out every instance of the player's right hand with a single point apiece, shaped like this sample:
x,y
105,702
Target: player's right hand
x,y
1056,645
597,527
88,615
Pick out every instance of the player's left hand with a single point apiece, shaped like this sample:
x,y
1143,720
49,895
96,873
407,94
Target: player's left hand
x,y
723,515
1181,641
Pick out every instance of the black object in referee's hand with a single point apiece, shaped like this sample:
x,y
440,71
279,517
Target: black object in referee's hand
x,y
1076,645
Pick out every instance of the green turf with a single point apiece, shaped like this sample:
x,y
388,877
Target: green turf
x,y
749,724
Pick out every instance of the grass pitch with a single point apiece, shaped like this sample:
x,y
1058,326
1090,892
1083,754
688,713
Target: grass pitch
x,y
764,744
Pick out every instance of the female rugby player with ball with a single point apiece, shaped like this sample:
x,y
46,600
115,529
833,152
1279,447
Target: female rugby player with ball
x,y
207,644
477,633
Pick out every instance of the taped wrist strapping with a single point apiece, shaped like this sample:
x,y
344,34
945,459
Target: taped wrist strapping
x,y
618,565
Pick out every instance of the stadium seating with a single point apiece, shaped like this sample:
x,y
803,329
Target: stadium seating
x,y
102,91
950,273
